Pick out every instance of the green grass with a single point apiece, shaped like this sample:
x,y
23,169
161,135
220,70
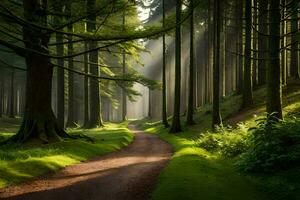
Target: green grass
x,y
194,173
19,163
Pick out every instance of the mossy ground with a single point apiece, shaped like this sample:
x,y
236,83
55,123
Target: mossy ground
x,y
19,163
195,173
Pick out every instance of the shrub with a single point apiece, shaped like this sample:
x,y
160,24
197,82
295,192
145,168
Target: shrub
x,y
274,145
226,141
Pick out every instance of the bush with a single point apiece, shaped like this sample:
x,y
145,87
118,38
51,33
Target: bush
x,y
226,141
274,146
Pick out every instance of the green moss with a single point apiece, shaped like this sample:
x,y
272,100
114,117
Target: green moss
x,y
19,163
194,173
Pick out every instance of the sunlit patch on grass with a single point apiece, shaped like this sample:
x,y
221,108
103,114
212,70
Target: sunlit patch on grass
x,y
19,163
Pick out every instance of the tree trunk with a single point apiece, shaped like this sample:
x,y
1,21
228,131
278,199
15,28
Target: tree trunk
x,y
283,44
1,92
95,100
60,81
294,41
262,41
39,121
86,89
71,100
248,84
176,126
12,95
216,116
254,46
190,111
164,86
274,90
240,47
124,96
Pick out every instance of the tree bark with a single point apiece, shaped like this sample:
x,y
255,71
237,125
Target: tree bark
x,y
86,89
248,84
294,41
1,92
12,95
190,111
216,116
262,41
71,123
39,122
274,87
124,96
176,126
95,100
60,78
164,82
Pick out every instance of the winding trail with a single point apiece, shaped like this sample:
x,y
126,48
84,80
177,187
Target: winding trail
x,y
129,174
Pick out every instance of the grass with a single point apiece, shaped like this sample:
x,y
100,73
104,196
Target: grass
x,y
194,173
20,163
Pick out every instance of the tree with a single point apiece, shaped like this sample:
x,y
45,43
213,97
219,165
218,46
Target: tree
x,y
60,97
124,96
12,94
71,109
190,110
86,89
248,83
216,116
39,121
274,87
176,126
1,92
95,102
262,41
294,40
164,86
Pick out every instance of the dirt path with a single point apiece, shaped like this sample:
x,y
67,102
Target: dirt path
x,y
127,174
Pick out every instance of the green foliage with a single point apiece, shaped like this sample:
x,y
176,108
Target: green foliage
x,y
227,141
194,173
274,145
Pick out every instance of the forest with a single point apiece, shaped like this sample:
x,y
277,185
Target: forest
x,y
150,99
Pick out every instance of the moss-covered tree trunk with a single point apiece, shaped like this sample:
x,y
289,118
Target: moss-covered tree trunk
x,y
191,98
95,100
274,90
216,116
164,81
176,126
248,84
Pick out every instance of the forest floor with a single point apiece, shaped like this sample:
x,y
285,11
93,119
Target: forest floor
x,y
195,173
130,173
19,163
